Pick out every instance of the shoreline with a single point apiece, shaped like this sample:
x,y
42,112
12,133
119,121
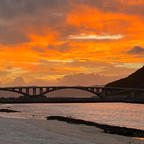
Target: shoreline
x,y
32,131
71,101
110,129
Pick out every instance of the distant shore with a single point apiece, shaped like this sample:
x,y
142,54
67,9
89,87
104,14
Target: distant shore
x,y
72,102
67,100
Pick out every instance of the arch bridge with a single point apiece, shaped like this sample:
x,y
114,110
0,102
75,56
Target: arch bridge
x,y
98,91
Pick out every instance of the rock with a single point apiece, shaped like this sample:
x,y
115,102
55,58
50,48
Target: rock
x,y
7,110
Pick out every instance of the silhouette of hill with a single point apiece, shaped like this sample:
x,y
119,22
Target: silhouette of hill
x,y
135,80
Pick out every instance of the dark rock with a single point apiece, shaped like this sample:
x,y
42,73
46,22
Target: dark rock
x,y
106,128
7,110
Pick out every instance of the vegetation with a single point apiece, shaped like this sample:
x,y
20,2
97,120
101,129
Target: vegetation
x,y
135,80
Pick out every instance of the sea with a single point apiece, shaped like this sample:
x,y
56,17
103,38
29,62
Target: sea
x,y
118,114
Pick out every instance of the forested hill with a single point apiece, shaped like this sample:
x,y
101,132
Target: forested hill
x,y
135,80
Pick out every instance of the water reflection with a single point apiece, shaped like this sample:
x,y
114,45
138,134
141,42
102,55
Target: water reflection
x,y
121,114
140,138
137,140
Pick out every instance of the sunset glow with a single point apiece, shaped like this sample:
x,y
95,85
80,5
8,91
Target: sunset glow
x,y
56,43
96,37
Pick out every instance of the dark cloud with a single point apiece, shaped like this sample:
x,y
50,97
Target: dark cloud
x,y
114,6
9,35
101,4
33,11
14,8
18,16
135,9
136,50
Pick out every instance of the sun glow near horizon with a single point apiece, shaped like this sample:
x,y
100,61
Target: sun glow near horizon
x,y
55,43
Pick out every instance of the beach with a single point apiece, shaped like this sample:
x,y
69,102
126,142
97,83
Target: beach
x,y
30,131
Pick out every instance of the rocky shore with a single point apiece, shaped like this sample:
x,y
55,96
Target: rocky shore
x,y
106,128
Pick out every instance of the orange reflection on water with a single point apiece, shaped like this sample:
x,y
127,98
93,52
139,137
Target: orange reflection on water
x,y
139,138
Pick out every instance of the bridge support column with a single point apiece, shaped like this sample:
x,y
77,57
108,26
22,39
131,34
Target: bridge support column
x,y
104,91
97,90
34,91
92,89
20,90
13,89
47,89
41,91
27,91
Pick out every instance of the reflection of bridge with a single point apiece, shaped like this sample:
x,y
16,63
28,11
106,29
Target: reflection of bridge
x,y
99,91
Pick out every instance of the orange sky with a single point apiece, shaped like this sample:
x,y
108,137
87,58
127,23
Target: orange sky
x,y
77,42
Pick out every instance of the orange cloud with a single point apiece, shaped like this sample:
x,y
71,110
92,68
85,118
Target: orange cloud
x,y
86,35
96,20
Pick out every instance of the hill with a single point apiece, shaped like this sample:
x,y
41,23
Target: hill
x,y
135,80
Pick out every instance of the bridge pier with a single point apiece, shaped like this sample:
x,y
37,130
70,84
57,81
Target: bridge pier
x,y
97,90
34,91
103,92
27,91
47,89
92,89
20,90
40,91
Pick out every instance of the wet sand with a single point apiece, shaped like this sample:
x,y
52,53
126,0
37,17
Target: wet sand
x,y
20,131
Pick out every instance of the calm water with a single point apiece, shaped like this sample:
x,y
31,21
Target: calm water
x,y
120,114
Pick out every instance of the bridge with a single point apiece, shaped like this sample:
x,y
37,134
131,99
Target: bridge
x,y
101,92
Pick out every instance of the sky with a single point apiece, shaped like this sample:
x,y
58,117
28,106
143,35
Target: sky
x,y
70,42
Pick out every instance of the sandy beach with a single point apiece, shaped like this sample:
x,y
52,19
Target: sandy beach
x,y
25,131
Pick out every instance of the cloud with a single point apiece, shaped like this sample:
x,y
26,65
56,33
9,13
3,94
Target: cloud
x,y
13,8
9,35
80,79
106,5
86,79
96,37
62,47
19,81
136,50
38,49
116,6
61,73
20,18
51,39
